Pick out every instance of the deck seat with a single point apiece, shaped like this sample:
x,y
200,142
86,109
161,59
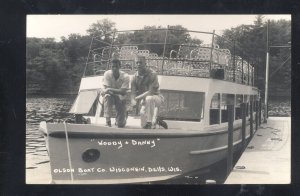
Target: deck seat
x,y
128,53
154,62
144,53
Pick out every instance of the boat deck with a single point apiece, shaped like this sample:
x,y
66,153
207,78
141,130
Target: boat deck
x,y
267,158
134,123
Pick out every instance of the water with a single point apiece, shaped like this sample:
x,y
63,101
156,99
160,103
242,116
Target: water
x,y
39,109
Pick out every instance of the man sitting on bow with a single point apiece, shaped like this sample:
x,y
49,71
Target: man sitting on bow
x,y
145,91
116,84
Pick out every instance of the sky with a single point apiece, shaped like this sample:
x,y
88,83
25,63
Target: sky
x,y
56,26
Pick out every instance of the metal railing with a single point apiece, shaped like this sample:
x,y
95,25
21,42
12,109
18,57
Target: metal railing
x,y
169,57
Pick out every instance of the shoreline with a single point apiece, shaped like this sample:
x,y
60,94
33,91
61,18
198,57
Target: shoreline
x,y
49,94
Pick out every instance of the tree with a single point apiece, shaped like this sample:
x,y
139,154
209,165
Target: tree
x,y
75,47
153,38
259,21
102,29
47,69
250,44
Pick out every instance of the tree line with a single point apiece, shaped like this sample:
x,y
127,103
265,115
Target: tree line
x,y
251,45
57,67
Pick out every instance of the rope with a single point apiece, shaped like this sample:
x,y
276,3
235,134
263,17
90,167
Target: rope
x,y
68,149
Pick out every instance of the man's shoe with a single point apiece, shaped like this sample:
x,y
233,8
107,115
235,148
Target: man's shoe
x,y
108,123
148,125
162,123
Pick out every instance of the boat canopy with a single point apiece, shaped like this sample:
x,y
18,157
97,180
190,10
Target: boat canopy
x,y
84,102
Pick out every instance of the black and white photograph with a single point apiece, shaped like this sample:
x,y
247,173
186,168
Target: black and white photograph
x,y
158,99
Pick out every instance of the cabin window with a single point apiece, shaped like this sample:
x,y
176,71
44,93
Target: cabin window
x,y
238,108
227,99
214,113
182,105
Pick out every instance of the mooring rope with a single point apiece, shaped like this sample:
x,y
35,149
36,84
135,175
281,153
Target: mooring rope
x,y
68,149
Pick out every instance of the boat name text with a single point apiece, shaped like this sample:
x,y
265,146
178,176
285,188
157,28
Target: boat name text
x,y
158,169
122,143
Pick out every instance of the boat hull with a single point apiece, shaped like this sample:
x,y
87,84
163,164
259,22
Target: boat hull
x,y
131,156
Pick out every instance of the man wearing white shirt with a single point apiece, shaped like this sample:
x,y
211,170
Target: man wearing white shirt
x,y
116,84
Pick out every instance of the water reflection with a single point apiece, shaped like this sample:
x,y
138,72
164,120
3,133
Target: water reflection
x,y
42,109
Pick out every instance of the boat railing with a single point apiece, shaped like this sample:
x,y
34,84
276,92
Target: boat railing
x,y
169,57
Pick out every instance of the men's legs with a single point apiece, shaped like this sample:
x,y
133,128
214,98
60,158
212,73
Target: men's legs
x,y
143,114
151,102
121,111
108,105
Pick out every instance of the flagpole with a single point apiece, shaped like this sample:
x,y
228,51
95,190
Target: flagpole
x,y
267,76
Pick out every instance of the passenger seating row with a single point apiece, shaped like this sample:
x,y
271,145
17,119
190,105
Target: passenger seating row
x,y
190,60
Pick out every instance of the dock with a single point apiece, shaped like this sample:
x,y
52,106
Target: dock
x,y
267,157
37,169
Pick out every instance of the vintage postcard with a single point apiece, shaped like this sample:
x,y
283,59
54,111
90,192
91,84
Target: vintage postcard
x,y
158,99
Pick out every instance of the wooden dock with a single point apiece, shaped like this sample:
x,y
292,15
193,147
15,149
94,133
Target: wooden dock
x,y
267,158
37,169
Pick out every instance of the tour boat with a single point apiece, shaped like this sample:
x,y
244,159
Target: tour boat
x,y
198,82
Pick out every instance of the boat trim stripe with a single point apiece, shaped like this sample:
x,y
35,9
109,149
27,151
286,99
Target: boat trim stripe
x,y
197,152
116,181
121,133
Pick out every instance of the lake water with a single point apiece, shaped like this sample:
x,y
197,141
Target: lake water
x,y
39,109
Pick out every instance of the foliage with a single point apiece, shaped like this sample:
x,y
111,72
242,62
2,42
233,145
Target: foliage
x,y
177,35
44,66
54,67
102,29
250,44
57,67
